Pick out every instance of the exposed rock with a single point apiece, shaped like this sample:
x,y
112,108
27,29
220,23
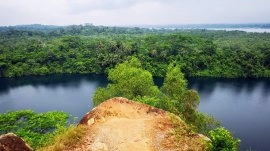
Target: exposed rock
x,y
120,107
125,125
11,142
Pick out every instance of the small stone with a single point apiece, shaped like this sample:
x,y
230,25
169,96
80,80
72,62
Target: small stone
x,y
91,121
98,146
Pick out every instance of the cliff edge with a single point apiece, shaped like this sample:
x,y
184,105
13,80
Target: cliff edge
x,y
124,125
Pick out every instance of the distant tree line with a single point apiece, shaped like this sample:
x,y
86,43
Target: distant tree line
x,y
43,50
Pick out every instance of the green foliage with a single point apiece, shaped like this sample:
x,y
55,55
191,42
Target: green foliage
x,y
183,102
94,49
175,84
103,94
152,101
222,140
35,128
128,80
204,123
190,103
180,100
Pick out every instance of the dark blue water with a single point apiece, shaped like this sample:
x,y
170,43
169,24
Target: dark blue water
x,y
68,93
242,105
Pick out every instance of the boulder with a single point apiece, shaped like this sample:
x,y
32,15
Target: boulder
x,y
11,142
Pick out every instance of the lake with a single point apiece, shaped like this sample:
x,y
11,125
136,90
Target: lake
x,y
249,30
242,105
68,93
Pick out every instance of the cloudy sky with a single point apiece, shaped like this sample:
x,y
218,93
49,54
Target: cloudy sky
x,y
133,12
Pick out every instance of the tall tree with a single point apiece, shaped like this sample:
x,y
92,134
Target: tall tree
x,y
128,80
175,88
175,84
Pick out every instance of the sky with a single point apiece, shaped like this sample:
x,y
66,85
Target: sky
x,y
133,12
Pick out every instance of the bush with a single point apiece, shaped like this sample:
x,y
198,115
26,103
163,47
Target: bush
x,y
152,101
37,129
204,123
128,80
66,138
222,140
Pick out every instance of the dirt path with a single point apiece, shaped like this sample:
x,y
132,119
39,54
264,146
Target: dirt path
x,y
123,134
123,125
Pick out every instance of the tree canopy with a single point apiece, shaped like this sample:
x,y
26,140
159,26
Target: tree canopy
x,y
128,80
96,49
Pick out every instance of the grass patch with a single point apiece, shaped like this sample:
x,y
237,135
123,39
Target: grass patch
x,y
67,138
185,138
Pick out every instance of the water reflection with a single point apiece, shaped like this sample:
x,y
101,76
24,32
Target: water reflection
x,y
50,81
242,105
69,93
206,86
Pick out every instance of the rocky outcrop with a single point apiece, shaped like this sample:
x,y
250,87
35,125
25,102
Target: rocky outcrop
x,y
125,125
120,107
11,142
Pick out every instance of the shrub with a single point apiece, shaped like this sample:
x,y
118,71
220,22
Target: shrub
x,y
222,140
35,128
128,80
66,138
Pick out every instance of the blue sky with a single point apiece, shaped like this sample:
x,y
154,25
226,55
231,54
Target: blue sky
x,y
133,12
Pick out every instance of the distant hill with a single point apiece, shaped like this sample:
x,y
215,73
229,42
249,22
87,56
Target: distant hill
x,y
126,29
86,29
207,26
32,27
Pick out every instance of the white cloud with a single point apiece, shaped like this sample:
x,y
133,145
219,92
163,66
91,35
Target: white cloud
x,y
127,12
81,6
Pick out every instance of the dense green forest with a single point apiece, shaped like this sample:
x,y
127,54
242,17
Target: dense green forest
x,y
42,50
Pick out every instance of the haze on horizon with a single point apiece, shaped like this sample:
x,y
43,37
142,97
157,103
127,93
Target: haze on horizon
x,y
133,12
